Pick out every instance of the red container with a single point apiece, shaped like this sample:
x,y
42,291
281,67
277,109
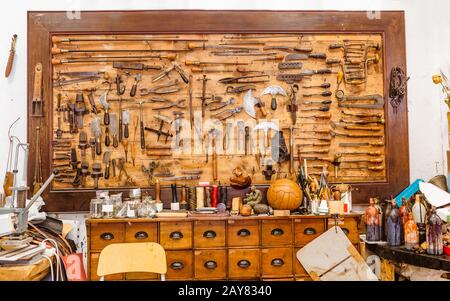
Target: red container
x,y
215,196
447,250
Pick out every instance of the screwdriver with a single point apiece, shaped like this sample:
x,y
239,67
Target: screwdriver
x,y
321,109
324,86
326,93
323,102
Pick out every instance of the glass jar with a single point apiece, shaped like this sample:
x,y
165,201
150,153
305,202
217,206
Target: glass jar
x,y
132,208
96,208
108,208
101,194
116,200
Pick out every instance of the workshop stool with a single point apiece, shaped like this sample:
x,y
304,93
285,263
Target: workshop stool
x,y
147,257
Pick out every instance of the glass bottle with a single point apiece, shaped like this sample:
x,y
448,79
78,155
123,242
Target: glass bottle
x,y
394,226
411,232
434,234
380,216
419,211
404,211
386,213
372,222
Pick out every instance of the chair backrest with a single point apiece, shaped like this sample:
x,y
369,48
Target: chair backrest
x,y
132,257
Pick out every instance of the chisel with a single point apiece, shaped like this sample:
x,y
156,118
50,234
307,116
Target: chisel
x,y
358,144
141,124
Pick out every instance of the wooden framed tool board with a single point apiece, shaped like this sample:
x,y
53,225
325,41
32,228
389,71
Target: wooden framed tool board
x,y
349,122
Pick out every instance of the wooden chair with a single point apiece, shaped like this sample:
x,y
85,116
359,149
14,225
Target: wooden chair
x,y
147,257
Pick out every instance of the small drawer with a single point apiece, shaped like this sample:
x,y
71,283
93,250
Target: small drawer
x,y
210,264
243,233
298,268
349,226
103,234
276,262
93,270
307,229
141,232
175,235
276,232
180,265
209,234
141,276
243,263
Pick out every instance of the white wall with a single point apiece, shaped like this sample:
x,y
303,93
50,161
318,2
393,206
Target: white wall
x,y
428,45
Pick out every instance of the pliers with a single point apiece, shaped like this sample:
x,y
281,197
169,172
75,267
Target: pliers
x,y
181,104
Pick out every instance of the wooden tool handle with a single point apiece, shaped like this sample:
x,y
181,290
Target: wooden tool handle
x,y
98,147
57,62
133,89
10,63
196,69
142,135
214,162
56,39
56,50
375,153
107,139
192,63
375,160
262,109
37,92
375,168
171,56
157,191
107,172
362,128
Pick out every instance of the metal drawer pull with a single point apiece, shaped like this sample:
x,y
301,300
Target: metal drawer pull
x,y
107,236
141,235
243,264
277,232
209,234
177,265
277,262
345,230
309,231
243,232
210,264
176,235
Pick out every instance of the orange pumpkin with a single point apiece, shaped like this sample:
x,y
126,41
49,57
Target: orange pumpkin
x,y
284,194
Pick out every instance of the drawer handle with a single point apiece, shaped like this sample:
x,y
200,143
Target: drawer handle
x,y
177,265
243,264
210,264
309,231
243,233
141,235
107,236
345,230
277,262
277,232
176,235
209,234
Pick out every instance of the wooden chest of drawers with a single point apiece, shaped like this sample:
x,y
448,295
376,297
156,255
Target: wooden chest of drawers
x,y
218,248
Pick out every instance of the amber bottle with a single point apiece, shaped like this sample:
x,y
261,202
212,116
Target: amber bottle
x,y
411,232
372,222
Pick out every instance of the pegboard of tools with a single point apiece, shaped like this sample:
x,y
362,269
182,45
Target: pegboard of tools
x,y
119,109
129,109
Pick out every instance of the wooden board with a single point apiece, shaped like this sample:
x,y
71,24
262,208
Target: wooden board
x,y
389,30
332,257
192,151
